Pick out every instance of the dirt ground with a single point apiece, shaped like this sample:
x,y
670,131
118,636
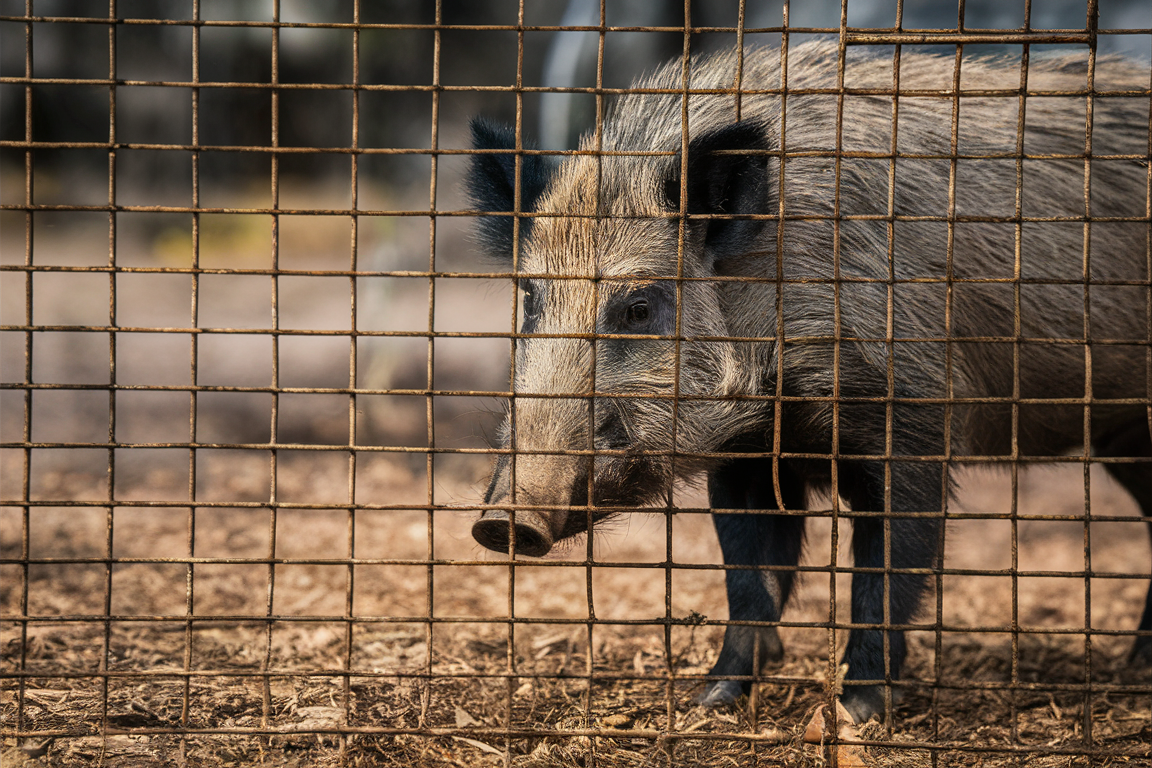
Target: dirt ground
x,y
372,674
378,657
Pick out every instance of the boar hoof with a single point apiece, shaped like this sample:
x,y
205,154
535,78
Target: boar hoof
x,y
494,531
721,693
864,701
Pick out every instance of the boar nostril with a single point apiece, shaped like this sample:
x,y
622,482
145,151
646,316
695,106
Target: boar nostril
x,y
533,537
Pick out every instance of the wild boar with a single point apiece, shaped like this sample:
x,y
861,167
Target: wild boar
x,y
775,299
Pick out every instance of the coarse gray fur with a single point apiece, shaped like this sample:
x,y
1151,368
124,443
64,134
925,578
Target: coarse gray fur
x,y
856,322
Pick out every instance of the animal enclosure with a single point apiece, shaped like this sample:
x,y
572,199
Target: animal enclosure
x,y
255,367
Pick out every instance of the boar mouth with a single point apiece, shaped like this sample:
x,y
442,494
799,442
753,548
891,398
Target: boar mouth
x,y
533,533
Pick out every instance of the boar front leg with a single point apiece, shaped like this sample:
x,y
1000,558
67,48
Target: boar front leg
x,y
883,544
754,595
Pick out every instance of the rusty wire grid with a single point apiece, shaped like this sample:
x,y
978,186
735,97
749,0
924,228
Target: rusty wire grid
x,y
236,500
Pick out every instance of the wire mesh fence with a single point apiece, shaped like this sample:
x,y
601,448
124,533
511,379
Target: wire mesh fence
x,y
865,289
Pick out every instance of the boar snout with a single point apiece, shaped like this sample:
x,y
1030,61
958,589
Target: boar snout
x,y
495,527
551,481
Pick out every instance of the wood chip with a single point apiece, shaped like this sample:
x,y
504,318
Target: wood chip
x,y
618,720
818,731
463,719
696,725
850,756
775,736
479,745
549,641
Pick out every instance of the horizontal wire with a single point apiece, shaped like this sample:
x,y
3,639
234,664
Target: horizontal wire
x,y
103,146
606,564
261,622
412,507
658,736
790,341
590,452
560,276
1009,34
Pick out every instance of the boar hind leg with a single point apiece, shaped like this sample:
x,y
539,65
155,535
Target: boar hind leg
x,y
887,543
1136,477
754,594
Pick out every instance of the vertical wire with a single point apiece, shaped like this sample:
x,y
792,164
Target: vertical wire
x,y
938,633
739,82
1148,297
681,246
273,493
778,394
589,594
837,335
517,209
430,403
737,86
834,465
106,650
1148,310
682,228
353,339
190,575
1017,332
949,271
26,485
1089,103
510,679
946,447
890,332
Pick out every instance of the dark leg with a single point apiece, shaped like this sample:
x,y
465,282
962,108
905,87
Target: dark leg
x,y
753,595
909,543
1136,478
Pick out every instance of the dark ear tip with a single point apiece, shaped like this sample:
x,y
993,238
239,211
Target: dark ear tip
x,y
490,183
489,134
485,132
727,176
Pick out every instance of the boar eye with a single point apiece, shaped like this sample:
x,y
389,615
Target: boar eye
x,y
638,312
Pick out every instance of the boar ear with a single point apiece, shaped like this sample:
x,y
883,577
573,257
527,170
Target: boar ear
x,y
727,176
491,185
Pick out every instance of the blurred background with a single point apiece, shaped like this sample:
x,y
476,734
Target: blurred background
x,y
310,118
235,115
